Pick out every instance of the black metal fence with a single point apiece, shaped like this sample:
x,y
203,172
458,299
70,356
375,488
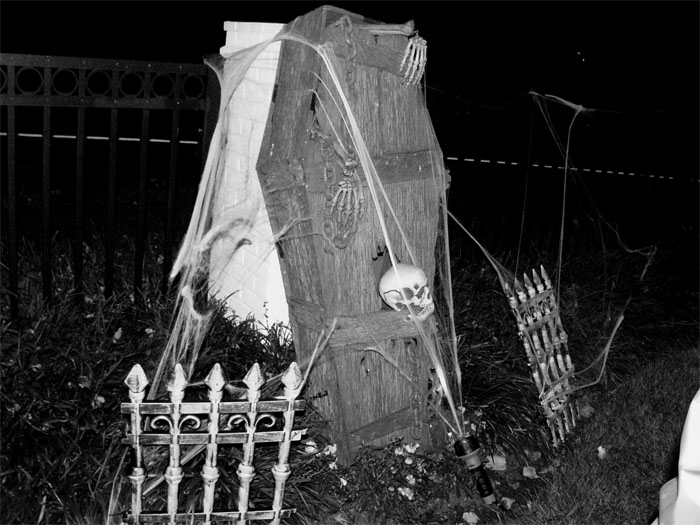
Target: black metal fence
x,y
111,143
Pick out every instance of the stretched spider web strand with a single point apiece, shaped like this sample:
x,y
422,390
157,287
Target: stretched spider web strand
x,y
563,199
372,177
440,178
527,184
548,121
403,373
189,326
647,252
504,276
189,259
565,152
328,118
365,161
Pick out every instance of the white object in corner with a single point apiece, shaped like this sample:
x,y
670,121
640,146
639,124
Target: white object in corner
x,y
251,281
679,498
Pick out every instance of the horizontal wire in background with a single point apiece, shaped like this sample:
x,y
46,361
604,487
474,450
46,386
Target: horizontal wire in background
x,y
561,168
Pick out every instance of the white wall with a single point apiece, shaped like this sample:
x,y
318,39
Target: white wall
x,y
250,280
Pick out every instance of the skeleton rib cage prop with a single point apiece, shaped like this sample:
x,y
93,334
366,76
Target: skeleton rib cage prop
x,y
536,313
213,426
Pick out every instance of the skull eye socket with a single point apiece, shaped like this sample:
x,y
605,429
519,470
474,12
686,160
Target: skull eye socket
x,y
408,292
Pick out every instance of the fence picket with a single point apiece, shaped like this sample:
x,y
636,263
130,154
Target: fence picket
x,y
292,380
172,170
110,229
13,262
173,474
141,202
210,471
137,382
79,189
246,471
46,197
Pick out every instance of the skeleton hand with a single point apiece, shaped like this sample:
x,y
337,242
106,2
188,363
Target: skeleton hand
x,y
414,59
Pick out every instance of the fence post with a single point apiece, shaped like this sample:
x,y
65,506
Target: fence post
x,y
292,380
210,471
46,191
173,474
137,382
172,189
246,471
13,262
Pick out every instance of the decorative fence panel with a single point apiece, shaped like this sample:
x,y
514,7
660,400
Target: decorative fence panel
x,y
95,133
537,316
212,425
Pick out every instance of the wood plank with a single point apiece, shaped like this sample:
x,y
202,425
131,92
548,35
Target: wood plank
x,y
384,426
364,53
391,168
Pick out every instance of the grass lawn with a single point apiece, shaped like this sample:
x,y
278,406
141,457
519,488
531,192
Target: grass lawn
x,y
62,367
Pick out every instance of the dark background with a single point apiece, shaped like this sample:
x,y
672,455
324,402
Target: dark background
x,y
633,65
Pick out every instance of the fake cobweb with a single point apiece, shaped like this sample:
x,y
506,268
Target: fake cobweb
x,y
228,229
211,226
534,298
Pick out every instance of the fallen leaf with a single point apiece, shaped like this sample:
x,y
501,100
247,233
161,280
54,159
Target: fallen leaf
x,y
533,456
585,410
407,493
530,472
507,503
496,462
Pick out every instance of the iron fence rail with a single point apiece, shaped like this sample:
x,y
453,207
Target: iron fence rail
x,y
82,88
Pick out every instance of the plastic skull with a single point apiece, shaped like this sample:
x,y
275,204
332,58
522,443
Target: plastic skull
x,y
414,284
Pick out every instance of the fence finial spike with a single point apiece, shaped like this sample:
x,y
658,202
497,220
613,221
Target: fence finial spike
x,y
136,380
292,377
253,379
215,379
538,281
178,381
545,276
512,300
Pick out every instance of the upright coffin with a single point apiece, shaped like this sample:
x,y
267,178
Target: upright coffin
x,y
373,381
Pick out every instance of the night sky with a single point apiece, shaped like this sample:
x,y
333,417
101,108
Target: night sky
x,y
635,63
611,55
